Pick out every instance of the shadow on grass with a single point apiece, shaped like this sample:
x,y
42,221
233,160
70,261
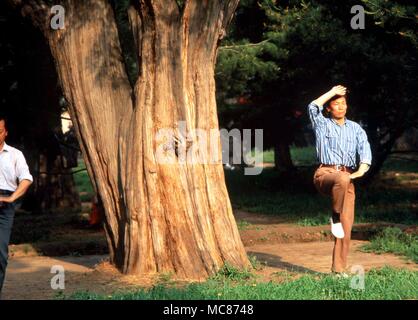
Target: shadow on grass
x,y
276,262
56,235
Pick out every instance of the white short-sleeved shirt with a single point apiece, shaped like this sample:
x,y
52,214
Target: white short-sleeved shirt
x,y
13,168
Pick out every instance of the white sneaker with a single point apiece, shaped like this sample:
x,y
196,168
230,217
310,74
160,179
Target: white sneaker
x,y
337,229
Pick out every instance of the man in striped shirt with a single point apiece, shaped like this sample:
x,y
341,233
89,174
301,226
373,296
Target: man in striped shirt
x,y
338,143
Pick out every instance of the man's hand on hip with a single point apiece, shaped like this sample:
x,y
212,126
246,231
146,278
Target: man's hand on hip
x,y
8,199
360,172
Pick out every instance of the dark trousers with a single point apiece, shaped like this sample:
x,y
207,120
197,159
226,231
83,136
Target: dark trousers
x,y
7,212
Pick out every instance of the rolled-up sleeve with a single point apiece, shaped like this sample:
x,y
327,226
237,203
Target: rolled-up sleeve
x,y
22,169
363,147
315,115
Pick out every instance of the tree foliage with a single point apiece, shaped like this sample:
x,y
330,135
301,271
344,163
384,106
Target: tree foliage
x,y
302,48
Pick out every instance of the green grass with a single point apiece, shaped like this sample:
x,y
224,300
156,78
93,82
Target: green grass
x,y
293,196
268,156
395,241
305,156
318,220
386,283
30,228
405,164
243,225
299,202
255,263
229,272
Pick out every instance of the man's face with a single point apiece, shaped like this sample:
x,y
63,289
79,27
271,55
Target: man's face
x,y
3,132
338,108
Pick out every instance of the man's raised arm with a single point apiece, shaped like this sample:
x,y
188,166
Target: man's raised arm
x,y
337,90
316,106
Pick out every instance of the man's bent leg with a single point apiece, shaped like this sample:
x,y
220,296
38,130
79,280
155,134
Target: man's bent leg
x,y
324,180
343,203
339,186
6,223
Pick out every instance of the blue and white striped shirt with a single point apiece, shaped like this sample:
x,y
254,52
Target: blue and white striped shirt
x,y
338,145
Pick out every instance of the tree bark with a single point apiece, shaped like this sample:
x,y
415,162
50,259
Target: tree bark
x,y
159,217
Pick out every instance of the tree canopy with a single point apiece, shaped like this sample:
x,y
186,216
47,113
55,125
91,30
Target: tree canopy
x,y
280,55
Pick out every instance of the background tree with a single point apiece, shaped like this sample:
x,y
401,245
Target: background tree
x,y
304,47
159,217
31,99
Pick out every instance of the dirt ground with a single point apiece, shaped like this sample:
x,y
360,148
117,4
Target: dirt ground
x,y
278,246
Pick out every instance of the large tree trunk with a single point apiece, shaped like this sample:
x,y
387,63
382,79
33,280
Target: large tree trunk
x,y
159,217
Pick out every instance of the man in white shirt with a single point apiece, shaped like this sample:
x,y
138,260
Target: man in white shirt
x,y
15,180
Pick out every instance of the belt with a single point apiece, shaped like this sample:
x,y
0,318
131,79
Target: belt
x,y
5,192
338,167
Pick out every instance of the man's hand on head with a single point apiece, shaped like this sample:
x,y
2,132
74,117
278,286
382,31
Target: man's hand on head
x,y
339,90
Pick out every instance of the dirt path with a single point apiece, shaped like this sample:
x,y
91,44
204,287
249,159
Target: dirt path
x,y
277,245
30,277
316,257
258,228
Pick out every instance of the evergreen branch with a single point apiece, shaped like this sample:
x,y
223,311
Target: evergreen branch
x,y
243,45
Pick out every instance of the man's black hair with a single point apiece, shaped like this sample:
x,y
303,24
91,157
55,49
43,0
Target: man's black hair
x,y
337,96
327,104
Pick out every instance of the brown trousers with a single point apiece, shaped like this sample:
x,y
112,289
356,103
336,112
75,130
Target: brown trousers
x,y
340,187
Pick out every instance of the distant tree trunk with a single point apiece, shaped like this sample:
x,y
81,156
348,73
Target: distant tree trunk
x,y
381,153
159,217
53,189
54,186
35,118
383,142
282,156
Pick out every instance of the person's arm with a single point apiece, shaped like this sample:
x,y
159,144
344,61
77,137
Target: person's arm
x,y
20,191
315,107
362,169
24,177
365,153
337,90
